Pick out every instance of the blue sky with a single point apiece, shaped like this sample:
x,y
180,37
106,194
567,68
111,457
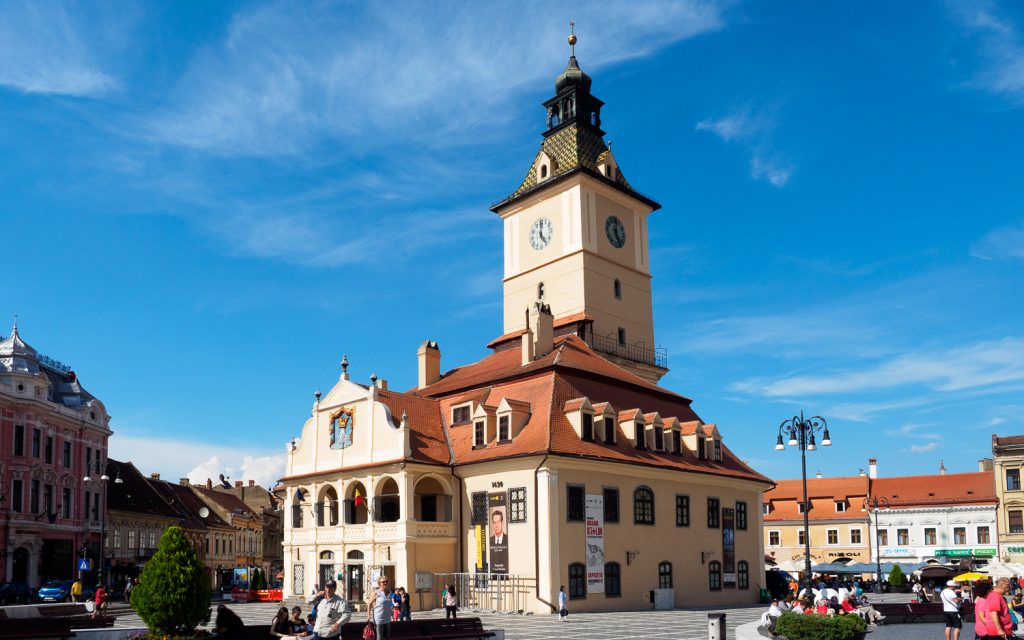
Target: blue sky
x,y
207,204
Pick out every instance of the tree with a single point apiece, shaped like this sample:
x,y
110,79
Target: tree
x,y
896,577
173,594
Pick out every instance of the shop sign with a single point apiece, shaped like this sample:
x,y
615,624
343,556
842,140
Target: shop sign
x,y
1015,549
899,552
984,553
952,552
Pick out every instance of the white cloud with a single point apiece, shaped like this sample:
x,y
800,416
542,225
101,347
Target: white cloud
x,y
1002,243
1001,48
754,132
925,448
45,48
290,75
197,460
984,364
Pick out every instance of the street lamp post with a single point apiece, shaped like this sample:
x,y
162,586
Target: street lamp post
x,y
801,434
103,478
874,502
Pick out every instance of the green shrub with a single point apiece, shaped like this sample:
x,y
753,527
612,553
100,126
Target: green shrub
x,y
173,594
802,626
896,577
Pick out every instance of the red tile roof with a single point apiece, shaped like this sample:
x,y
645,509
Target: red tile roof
x,y
427,440
558,323
837,488
951,488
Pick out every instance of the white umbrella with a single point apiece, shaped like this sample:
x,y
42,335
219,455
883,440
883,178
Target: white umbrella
x,y
997,569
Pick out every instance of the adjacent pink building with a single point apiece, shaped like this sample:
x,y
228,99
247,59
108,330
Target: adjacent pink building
x,y
53,434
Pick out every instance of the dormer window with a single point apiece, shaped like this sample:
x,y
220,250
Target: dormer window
x,y
718,450
587,426
504,428
801,507
766,508
659,439
543,171
840,506
702,452
461,414
479,433
641,437
609,430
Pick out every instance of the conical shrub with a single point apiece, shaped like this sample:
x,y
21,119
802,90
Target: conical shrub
x,y
173,594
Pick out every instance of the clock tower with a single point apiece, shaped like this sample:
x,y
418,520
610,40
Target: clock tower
x,y
576,236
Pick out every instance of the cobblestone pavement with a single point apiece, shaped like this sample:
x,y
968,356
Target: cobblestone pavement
x,y
681,624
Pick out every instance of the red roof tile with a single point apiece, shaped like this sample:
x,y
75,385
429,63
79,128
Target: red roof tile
x,y
558,323
950,488
822,493
574,405
427,440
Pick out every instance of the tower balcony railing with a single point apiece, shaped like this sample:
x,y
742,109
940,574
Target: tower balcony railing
x,y
657,357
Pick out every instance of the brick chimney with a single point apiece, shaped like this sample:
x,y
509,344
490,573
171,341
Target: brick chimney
x,y
872,468
985,464
183,482
209,483
429,359
539,339
252,483
155,476
238,484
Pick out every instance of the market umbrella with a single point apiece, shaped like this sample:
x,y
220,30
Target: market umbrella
x,y
970,576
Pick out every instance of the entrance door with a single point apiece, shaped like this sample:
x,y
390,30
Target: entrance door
x,y
19,570
389,571
354,586
298,580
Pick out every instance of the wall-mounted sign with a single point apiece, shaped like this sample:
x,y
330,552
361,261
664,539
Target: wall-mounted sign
x,y
595,543
898,552
1015,549
984,553
953,552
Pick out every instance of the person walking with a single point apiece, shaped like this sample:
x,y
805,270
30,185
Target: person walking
x,y
951,610
451,602
563,612
379,606
128,590
998,623
331,612
981,589
76,590
100,598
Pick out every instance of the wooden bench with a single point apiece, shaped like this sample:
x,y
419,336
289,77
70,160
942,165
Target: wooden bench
x,y
918,611
35,629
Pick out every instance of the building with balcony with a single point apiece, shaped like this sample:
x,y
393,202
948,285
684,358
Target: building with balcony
x,y
554,460
53,433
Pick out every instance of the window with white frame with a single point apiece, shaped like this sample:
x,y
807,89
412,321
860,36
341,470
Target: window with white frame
x,y
983,535
801,537
840,506
855,536
774,538
833,536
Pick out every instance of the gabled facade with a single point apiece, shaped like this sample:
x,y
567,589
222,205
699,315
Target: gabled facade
x,y
555,460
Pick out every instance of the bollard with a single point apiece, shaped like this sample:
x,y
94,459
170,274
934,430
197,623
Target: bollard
x,y
716,626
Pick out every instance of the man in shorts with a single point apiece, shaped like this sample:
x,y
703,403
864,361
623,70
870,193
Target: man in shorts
x,y
951,611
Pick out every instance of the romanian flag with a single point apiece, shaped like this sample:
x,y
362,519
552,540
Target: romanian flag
x,y
359,499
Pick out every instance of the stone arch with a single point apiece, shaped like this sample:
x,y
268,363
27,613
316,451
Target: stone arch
x,y
432,499
356,513
327,506
387,500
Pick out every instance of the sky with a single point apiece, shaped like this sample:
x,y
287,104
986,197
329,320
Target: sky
x,y
205,205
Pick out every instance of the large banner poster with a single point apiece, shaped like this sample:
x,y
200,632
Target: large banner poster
x,y
595,543
480,532
728,548
497,541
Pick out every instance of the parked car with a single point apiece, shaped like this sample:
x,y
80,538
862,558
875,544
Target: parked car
x,y
16,593
56,591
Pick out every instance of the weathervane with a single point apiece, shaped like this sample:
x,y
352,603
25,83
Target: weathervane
x,y
572,38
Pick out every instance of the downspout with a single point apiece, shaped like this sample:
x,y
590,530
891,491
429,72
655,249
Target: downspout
x,y
462,487
536,522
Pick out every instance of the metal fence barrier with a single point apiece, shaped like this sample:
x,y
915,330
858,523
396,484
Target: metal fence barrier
x,y
501,592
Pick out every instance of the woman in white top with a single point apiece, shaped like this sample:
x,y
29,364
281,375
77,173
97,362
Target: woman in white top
x,y
563,612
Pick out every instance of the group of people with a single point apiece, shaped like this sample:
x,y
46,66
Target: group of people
x,y
331,612
819,603
99,598
993,619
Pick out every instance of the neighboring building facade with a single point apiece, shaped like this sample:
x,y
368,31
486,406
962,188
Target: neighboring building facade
x,y
837,516
942,518
555,460
51,432
268,506
1007,468
136,520
246,543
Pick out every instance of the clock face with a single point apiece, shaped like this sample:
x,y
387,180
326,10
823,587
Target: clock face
x,y
540,233
615,231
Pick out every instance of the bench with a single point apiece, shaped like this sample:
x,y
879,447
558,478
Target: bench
x,y
35,629
430,629
919,611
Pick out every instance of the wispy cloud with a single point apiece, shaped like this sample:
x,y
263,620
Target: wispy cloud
x,y
923,448
283,80
1002,243
983,364
754,132
1001,49
912,429
47,48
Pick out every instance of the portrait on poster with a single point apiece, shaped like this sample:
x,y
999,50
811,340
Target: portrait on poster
x,y
497,510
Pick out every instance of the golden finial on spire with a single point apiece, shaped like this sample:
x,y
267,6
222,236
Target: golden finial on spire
x,y
572,37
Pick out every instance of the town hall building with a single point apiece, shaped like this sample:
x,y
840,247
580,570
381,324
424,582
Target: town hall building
x,y
557,459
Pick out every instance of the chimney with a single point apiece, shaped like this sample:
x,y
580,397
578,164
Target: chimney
x,y
238,484
155,476
862,474
818,475
942,467
252,483
209,483
872,467
539,339
183,482
985,464
429,356
383,384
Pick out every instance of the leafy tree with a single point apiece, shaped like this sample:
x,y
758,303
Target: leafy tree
x,y
896,577
173,594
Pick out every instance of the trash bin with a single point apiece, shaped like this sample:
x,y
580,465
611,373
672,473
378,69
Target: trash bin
x,y
716,626
764,596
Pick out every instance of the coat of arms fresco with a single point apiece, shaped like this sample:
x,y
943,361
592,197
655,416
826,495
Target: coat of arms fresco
x,y
341,427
